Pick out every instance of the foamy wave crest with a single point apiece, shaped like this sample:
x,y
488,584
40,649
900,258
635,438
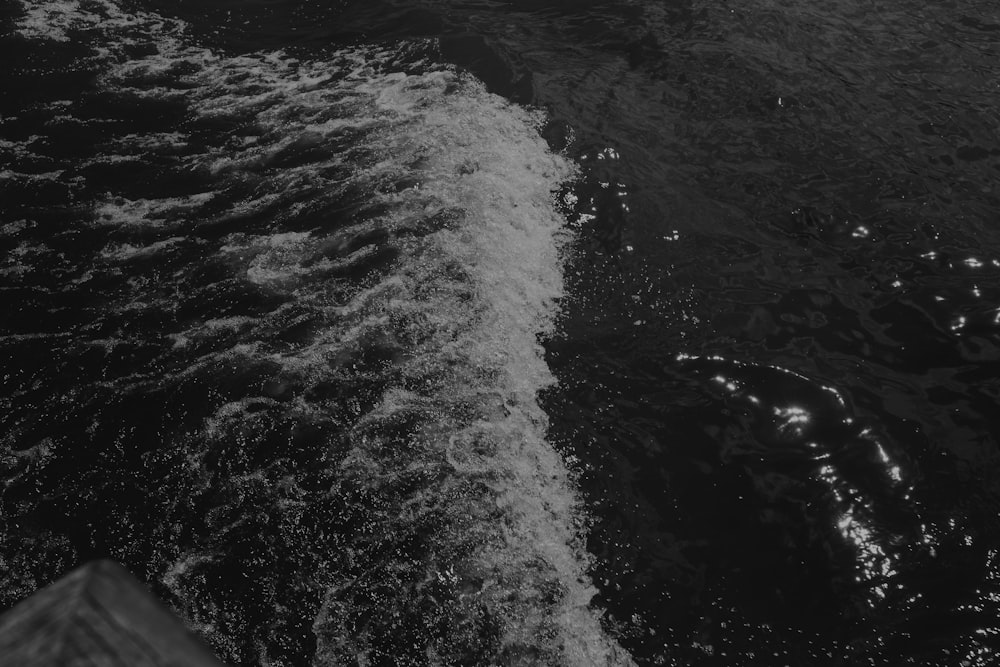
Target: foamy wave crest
x,y
339,270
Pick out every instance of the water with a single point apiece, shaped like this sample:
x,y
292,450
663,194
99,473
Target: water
x,y
525,332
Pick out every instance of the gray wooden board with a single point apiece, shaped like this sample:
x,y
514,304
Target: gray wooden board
x,y
98,615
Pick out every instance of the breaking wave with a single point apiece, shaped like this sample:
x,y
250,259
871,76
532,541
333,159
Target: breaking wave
x,y
275,346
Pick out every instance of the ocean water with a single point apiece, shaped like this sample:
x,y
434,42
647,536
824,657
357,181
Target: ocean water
x,y
523,332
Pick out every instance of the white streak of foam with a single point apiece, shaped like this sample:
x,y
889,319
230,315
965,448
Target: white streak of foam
x,y
126,251
119,211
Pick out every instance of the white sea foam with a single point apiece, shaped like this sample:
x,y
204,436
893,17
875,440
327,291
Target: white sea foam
x,y
465,297
118,211
127,251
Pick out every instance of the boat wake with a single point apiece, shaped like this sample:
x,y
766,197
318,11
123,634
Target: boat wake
x,y
276,346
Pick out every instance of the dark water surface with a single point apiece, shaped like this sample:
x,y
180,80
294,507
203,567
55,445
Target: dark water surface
x,y
525,332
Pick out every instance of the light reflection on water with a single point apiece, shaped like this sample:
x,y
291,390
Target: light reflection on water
x,y
833,495
853,510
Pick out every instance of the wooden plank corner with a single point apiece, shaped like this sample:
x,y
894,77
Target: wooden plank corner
x,y
98,615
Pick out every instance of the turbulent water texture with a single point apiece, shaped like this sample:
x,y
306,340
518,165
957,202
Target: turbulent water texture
x,y
301,299
271,341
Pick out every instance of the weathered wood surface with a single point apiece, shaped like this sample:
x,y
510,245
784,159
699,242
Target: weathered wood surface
x,y
99,615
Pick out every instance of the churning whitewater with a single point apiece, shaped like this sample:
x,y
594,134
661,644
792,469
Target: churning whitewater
x,y
328,278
